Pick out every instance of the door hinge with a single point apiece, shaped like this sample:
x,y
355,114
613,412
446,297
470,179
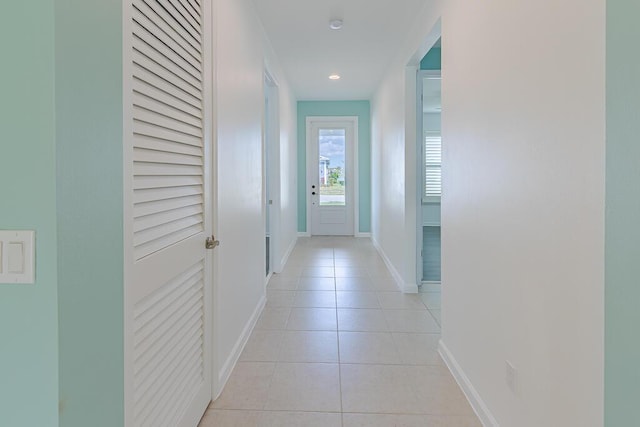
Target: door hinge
x,y
211,242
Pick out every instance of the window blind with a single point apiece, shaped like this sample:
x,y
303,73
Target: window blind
x,y
432,164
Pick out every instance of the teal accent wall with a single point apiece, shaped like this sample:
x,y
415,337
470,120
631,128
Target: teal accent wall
x,y
622,228
29,313
362,109
432,60
89,198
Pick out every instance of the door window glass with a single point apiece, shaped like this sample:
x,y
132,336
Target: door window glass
x,y
331,164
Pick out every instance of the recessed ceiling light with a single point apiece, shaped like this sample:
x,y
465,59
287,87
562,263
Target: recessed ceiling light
x,y
334,77
335,24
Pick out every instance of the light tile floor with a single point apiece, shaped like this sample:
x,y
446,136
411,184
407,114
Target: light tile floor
x,y
339,345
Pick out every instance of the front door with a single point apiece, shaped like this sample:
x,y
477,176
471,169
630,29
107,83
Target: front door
x,y
331,184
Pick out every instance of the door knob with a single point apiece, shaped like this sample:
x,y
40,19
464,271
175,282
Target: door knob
x,y
313,193
211,242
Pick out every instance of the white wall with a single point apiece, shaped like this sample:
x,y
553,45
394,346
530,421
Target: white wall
x,y
432,121
393,150
240,282
431,211
522,248
288,202
523,107
285,200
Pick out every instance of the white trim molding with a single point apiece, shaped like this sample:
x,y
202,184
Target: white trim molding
x,y
428,286
304,234
479,407
363,235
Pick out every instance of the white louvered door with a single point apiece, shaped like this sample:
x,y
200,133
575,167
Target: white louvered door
x,y
167,167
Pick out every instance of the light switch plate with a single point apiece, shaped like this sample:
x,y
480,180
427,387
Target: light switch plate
x,y
17,256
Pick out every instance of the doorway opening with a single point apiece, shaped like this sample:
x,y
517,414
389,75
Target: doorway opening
x,y
429,147
271,176
332,192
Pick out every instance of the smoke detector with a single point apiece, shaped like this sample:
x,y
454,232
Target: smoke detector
x,y
336,24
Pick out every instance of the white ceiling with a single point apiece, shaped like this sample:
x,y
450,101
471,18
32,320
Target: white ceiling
x,y
360,52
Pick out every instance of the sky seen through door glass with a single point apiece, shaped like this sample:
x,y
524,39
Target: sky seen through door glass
x,y
331,163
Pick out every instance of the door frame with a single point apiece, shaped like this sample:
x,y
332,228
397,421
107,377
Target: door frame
x,y
353,120
271,171
211,131
420,169
420,75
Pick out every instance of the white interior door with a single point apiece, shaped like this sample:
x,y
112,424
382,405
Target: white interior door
x,y
167,172
331,175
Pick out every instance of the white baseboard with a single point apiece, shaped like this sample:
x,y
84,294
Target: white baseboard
x,y
225,372
409,288
304,234
479,407
365,235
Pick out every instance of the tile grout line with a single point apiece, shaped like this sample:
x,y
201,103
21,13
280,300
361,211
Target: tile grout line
x,y
275,366
385,322
335,293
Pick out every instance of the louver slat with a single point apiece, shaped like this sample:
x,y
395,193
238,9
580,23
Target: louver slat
x,y
168,348
164,134
433,165
160,9
146,223
168,162
168,193
433,181
169,99
193,6
150,74
149,59
154,56
162,109
159,120
149,182
171,28
166,157
158,144
193,23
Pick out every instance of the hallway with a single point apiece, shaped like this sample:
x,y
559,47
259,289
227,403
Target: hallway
x,y
339,345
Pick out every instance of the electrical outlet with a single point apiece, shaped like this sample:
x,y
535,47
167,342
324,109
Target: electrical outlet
x,y
511,377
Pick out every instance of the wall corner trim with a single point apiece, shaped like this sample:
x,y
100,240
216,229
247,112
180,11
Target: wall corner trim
x,y
479,407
